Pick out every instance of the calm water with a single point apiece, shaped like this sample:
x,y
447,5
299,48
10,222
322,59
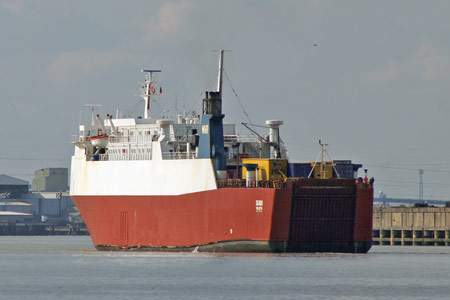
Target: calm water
x,y
70,268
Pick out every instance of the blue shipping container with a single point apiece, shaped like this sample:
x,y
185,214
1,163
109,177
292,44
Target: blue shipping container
x,y
299,169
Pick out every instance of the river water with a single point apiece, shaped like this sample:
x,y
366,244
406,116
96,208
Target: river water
x,y
70,268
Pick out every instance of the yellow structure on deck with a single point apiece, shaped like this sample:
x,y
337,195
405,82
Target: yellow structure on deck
x,y
269,169
327,170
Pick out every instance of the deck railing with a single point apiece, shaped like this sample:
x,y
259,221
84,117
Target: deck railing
x,y
178,155
140,156
242,183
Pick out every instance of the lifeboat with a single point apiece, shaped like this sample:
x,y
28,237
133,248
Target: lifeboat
x,y
100,141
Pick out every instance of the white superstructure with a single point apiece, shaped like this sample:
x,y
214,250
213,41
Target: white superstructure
x,y
148,156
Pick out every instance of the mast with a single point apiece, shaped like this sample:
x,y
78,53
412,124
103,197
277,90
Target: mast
x,y
92,112
323,156
323,162
147,91
219,78
211,144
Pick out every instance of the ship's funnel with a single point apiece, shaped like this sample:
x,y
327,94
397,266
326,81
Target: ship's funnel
x,y
211,143
211,138
212,104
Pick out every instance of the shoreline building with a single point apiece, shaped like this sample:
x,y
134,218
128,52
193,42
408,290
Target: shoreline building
x,y
45,209
50,180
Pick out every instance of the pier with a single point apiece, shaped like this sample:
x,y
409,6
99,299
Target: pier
x,y
42,229
414,226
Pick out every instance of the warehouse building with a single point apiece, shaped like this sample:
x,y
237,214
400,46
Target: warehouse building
x,y
11,187
50,180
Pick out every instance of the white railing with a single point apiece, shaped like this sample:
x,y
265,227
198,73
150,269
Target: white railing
x,y
120,156
140,156
77,139
130,156
178,155
249,138
130,139
146,139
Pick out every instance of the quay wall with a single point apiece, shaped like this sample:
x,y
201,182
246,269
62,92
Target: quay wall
x,y
427,226
42,229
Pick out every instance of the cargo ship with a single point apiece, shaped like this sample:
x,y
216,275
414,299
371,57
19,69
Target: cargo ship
x,y
192,183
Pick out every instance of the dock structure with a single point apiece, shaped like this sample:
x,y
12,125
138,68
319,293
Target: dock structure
x,y
42,229
414,226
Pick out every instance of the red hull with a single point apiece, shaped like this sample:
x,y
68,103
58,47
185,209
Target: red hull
x,y
235,217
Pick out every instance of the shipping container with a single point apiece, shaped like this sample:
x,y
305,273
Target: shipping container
x,y
346,169
298,170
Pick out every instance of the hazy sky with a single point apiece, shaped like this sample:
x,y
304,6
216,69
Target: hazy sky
x,y
371,78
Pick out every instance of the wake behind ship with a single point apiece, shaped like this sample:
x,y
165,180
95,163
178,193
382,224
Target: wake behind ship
x,y
194,183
